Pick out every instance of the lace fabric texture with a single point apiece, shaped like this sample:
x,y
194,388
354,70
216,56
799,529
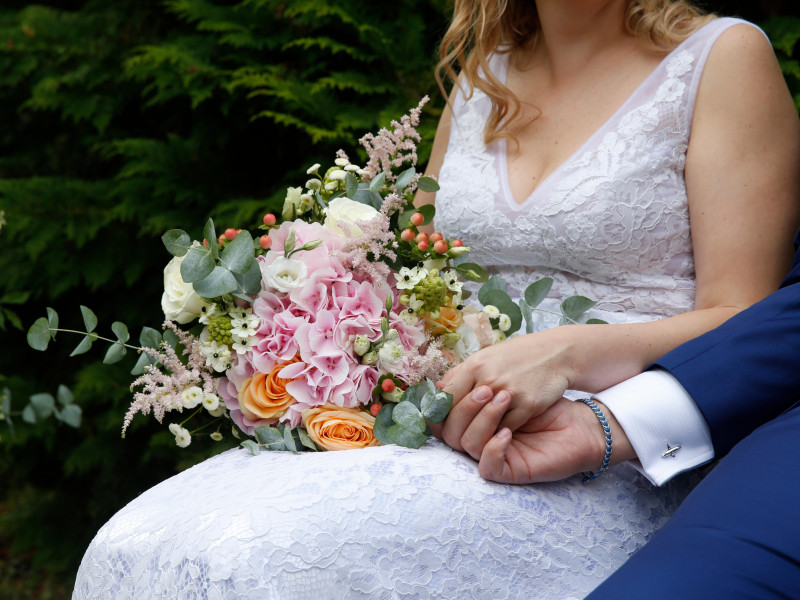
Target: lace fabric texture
x,y
392,523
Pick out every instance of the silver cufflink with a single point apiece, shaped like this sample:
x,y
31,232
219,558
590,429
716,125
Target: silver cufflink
x,y
671,450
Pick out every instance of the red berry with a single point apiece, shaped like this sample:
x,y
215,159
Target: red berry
x,y
205,243
436,236
387,385
231,233
222,239
407,235
269,219
440,246
423,246
374,409
265,242
417,219
456,243
423,237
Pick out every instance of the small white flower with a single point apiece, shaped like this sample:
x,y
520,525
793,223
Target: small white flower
x,y
341,162
352,168
491,311
174,428
291,205
210,401
218,412
243,345
313,184
192,396
285,274
216,436
498,336
337,175
244,323
183,438
451,281
235,433
390,357
370,358
306,203
208,311
504,324
218,356
313,168
408,318
457,251
408,278
415,305
361,345
393,396
331,185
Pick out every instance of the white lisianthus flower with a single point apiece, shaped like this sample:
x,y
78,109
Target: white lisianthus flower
x,y
291,205
393,396
285,274
216,436
210,401
504,323
361,345
390,357
183,438
218,412
491,311
370,358
218,356
192,396
180,302
343,210
456,251
313,168
337,175
468,344
407,278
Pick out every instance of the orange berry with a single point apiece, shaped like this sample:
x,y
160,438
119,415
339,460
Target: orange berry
x,y
205,243
265,242
374,409
231,233
456,243
417,219
387,385
222,239
423,246
407,235
423,237
440,246
269,219
436,236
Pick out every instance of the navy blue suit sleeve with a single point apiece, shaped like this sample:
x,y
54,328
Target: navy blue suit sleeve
x,y
747,371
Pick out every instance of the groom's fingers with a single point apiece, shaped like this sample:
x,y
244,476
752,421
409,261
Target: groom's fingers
x,y
493,465
458,381
462,414
485,424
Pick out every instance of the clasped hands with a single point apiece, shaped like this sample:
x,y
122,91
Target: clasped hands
x,y
510,415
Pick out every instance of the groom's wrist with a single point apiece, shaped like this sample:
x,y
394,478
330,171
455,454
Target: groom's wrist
x,y
622,448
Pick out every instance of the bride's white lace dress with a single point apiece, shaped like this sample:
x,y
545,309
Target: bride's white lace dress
x,y
386,522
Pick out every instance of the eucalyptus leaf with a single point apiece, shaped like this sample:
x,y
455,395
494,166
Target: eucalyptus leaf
x,y
409,417
436,406
495,283
5,407
405,178
150,338
52,320
404,437
527,314
377,182
210,235
177,242
114,354
89,319
252,446
39,334
384,421
306,440
428,184
64,395
12,317
250,281
364,196
144,360
288,440
29,415
83,347
506,305
15,298
121,331
197,264
413,394
351,184
473,272
71,415
238,255
270,437
596,322
220,282
43,404
170,337
573,307
537,291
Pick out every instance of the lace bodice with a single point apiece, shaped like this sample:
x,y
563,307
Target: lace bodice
x,y
612,222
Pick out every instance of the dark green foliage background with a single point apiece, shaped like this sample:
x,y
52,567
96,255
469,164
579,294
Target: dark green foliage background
x,y
124,118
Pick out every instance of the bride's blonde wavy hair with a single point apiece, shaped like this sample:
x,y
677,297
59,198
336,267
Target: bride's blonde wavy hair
x,y
482,27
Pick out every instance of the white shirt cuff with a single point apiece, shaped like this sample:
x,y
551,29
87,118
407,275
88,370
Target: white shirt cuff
x,y
657,415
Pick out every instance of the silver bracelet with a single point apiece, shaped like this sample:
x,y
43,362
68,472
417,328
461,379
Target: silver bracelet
x,y
592,475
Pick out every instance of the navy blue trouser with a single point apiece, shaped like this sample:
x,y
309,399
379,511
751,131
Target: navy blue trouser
x,y
737,535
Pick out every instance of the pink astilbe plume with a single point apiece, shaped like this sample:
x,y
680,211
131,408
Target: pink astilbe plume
x,y
393,148
365,251
161,389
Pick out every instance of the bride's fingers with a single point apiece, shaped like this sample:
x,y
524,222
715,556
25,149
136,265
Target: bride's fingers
x,y
462,414
484,425
493,465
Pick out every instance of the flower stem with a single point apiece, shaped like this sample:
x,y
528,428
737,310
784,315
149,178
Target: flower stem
x,y
99,337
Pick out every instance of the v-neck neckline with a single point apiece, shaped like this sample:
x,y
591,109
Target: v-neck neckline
x,y
547,181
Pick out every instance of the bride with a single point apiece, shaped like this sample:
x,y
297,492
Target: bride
x,y
580,140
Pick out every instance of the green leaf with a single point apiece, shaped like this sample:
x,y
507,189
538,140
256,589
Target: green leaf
x,y
288,440
435,407
383,422
364,196
144,360
150,338
15,298
43,404
5,406
121,331
414,393
197,265
409,417
351,185
291,239
64,395
210,235
220,282
596,322
39,334
473,272
114,354
377,182
12,318
573,307
428,184
270,437
252,446
404,437
238,254
52,319
506,305
495,283
527,314
29,415
177,242
89,319
306,440
170,338
537,291
83,347
428,211
405,178
71,415
250,281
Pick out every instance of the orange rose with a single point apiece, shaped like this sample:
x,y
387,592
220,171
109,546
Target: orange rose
x,y
449,320
335,428
265,396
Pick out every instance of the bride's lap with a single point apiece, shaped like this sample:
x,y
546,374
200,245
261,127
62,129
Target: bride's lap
x,y
385,522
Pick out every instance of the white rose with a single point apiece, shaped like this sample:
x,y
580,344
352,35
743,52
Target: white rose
x,y
344,210
179,302
468,344
285,274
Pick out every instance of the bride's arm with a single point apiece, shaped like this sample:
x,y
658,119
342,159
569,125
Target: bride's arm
x,y
743,183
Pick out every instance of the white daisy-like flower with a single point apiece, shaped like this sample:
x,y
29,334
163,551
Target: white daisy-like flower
x,y
243,345
216,436
415,305
491,311
210,401
191,396
337,175
183,438
408,278
408,317
313,184
498,336
244,324
341,162
451,281
218,356
332,185
174,428
504,323
313,168
352,168
218,412
207,311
